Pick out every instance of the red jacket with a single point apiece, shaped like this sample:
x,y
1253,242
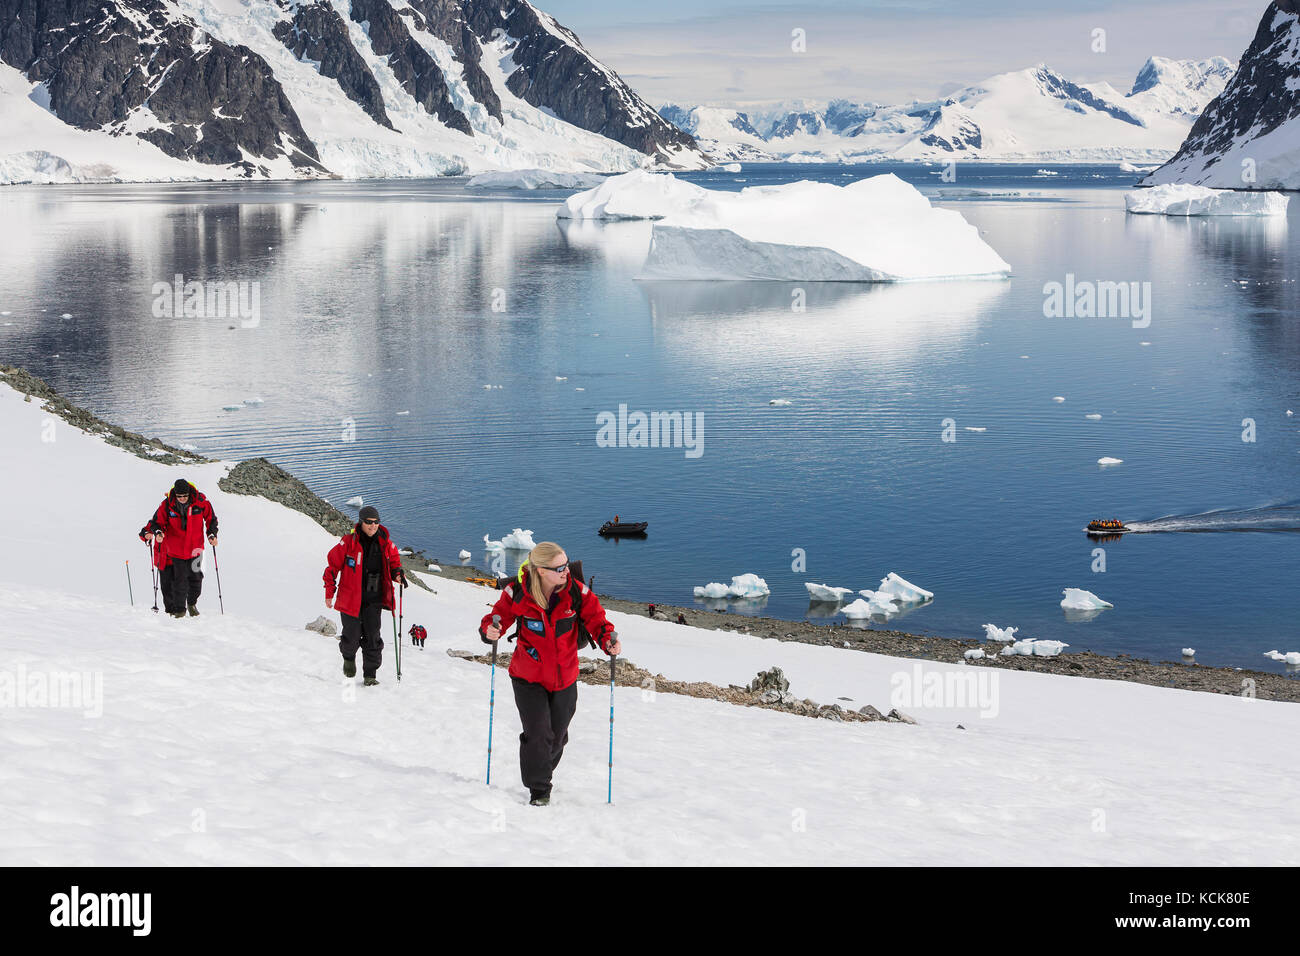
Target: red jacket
x,y
418,631
182,526
344,563
547,651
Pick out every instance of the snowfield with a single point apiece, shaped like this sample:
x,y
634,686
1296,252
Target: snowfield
x,y
235,739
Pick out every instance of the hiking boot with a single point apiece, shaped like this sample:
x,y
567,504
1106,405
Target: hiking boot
x,y
371,681
194,611
176,613
349,668
540,798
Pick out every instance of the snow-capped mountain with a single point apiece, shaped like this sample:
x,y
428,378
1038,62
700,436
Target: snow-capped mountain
x,y
160,89
729,133
1249,136
1032,115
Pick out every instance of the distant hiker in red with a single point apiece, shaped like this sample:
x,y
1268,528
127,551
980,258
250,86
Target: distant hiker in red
x,y
418,634
177,529
362,569
556,616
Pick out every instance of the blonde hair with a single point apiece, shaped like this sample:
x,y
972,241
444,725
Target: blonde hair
x,y
541,556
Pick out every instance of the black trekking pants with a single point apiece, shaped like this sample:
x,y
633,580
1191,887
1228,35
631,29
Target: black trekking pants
x,y
362,632
186,583
545,715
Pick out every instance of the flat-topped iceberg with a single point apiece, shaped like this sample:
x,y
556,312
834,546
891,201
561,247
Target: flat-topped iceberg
x,y
879,229
1181,199
534,179
634,195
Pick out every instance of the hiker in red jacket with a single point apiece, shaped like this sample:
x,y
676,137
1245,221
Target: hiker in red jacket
x,y
418,634
177,529
361,570
556,615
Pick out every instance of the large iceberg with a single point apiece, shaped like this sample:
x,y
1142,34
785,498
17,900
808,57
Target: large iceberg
x,y
634,195
1077,599
1181,199
534,179
878,229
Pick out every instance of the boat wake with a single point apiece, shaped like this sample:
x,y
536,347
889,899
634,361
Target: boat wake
x,y
1275,517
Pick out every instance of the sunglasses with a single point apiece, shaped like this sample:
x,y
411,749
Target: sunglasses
x,y
370,521
559,569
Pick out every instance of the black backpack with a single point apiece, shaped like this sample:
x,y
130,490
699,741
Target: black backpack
x,y
576,580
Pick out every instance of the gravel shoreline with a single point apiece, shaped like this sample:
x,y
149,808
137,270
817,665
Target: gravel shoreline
x,y
260,477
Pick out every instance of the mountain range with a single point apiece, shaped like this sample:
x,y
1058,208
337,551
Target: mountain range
x,y
1034,114
162,89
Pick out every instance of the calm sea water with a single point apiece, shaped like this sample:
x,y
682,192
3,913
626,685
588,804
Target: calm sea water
x,y
386,372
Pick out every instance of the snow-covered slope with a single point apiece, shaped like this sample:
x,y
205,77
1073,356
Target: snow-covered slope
x,y
352,88
235,739
1249,136
1032,115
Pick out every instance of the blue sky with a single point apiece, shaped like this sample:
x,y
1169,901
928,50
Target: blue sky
x,y
729,53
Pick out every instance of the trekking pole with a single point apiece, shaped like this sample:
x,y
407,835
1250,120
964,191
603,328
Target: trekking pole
x,y
397,638
129,590
153,572
216,566
492,700
613,666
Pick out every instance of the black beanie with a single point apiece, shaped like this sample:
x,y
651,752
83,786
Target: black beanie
x,y
369,511
182,487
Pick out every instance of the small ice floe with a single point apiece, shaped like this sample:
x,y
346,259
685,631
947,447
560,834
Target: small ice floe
x,y
1107,462
994,633
1008,651
730,168
1093,417
1046,648
1275,655
489,387
1291,657
1144,343
1077,599
356,501
824,592
517,540
973,428
256,400
66,315
1189,652
748,586
1289,413
714,589
903,591
579,389
6,312
779,401
1024,356
881,604
405,411
974,654
858,610
435,569
561,378
1058,398
464,555
406,551
231,408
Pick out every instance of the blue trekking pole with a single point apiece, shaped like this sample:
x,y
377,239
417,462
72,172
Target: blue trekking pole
x,y
492,700
613,666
